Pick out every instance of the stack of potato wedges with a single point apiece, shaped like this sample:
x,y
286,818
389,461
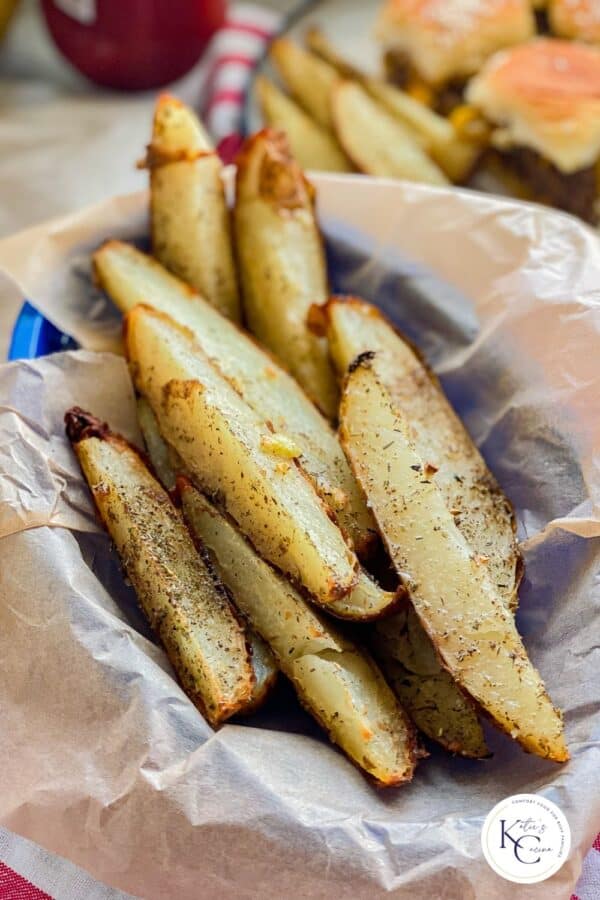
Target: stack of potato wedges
x,y
308,502
340,119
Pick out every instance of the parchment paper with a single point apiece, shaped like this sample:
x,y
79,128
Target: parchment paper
x,y
104,759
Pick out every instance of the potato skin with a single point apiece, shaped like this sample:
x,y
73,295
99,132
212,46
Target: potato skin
x,y
185,603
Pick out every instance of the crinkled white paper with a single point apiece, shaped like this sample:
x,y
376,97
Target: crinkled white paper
x,y
106,762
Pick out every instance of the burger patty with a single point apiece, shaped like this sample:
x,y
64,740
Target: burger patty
x,y
574,193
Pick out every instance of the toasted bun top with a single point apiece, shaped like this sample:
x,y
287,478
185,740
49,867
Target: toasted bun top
x,y
446,39
545,95
578,19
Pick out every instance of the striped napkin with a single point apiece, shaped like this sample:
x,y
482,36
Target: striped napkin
x,y
26,871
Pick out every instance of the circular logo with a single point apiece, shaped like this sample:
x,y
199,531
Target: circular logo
x,y
526,838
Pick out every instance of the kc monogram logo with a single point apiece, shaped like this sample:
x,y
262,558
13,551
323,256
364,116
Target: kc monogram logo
x,y
526,838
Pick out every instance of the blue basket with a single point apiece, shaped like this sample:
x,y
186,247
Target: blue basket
x,y
33,336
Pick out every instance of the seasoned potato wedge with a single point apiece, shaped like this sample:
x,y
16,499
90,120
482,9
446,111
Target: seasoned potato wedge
x,y
424,688
336,682
168,465
130,277
186,605
230,451
377,142
481,511
466,619
281,262
365,602
313,147
191,232
308,79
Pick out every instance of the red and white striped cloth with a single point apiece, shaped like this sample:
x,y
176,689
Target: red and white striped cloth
x,y
27,872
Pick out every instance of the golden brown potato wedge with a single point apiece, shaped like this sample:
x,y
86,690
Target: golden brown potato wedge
x,y
424,688
130,277
308,79
365,602
230,451
281,262
466,619
377,142
167,465
481,511
191,233
185,604
312,146
335,681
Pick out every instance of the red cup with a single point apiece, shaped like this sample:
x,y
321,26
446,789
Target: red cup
x,y
133,45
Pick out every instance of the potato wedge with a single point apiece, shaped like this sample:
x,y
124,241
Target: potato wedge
x,y
335,681
229,451
281,262
191,233
467,621
167,465
482,513
319,44
313,147
185,604
308,79
456,156
424,688
130,277
376,142
365,602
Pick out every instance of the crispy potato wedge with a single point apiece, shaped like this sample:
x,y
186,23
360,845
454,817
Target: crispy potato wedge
x,y
185,604
130,277
313,147
230,451
377,142
191,233
482,513
365,602
424,688
466,619
335,681
308,79
281,262
167,465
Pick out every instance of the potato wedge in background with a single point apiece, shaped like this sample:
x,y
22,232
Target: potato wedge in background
x,y
319,44
377,142
312,146
191,233
130,277
335,681
308,79
456,156
281,262
231,451
466,619
185,604
424,688
481,512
